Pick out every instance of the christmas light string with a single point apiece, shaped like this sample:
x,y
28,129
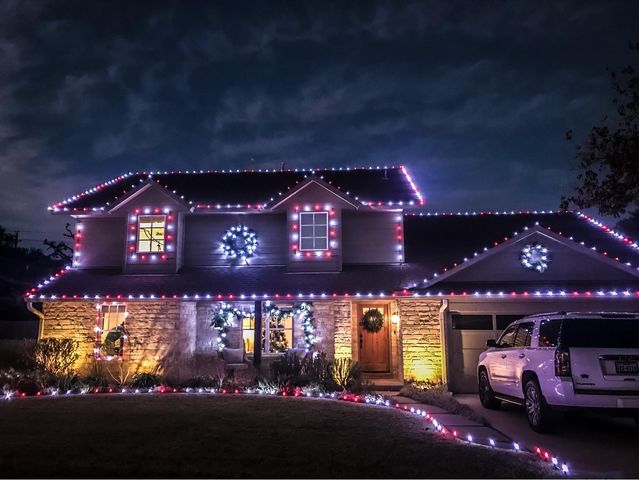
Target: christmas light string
x,y
369,399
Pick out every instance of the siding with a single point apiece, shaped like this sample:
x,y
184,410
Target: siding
x,y
203,233
370,237
102,242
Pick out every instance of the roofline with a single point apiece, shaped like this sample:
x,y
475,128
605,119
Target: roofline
x,y
329,188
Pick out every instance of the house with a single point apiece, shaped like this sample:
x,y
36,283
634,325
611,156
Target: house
x,y
406,293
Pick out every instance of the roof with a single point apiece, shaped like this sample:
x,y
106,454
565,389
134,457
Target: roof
x,y
434,243
250,188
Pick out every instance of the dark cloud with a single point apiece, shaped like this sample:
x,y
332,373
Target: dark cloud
x,y
474,97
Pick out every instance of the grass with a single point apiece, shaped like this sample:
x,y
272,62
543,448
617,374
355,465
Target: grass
x,y
441,399
232,436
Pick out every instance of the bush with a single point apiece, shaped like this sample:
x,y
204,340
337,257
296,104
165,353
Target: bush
x,y
202,381
287,371
17,354
316,368
145,380
56,356
347,374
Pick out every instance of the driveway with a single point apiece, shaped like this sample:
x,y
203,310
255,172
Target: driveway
x,y
594,445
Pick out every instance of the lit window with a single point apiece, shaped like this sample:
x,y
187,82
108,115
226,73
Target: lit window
x,y
277,333
111,330
314,231
151,230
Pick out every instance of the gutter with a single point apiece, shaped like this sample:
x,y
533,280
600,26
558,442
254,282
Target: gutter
x,y
40,316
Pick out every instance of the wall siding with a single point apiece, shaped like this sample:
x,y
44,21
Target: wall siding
x,y
371,237
102,242
203,235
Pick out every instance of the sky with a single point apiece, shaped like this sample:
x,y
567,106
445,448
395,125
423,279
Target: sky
x,y
474,97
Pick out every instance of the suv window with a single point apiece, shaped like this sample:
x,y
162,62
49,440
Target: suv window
x,y
549,333
600,332
507,338
524,332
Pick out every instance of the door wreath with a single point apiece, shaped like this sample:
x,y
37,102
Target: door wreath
x,y
373,320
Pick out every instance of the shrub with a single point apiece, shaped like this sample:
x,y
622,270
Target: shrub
x,y
267,386
316,368
202,381
145,380
17,354
287,371
56,356
346,374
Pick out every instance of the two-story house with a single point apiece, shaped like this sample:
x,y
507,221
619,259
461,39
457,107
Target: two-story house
x,y
158,254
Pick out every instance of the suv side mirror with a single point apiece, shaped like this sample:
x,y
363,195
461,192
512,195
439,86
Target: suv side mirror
x,y
491,343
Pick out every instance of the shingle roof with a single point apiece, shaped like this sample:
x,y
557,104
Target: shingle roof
x,y
251,187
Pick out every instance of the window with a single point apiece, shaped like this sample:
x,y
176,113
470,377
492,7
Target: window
x,y
504,320
278,336
277,333
524,332
248,332
549,333
151,229
472,322
111,330
507,338
600,332
314,231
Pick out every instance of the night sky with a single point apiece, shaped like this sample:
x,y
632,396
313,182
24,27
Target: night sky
x,y
474,97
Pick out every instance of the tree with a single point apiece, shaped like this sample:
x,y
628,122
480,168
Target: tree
x,y
60,250
609,158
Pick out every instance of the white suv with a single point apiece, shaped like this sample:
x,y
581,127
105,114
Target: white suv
x,y
560,361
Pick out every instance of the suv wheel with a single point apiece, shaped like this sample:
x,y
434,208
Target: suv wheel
x,y
537,411
486,394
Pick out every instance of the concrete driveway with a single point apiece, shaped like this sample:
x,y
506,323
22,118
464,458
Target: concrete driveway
x,y
593,445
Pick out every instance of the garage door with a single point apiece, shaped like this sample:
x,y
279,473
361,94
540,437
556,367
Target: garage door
x,y
467,339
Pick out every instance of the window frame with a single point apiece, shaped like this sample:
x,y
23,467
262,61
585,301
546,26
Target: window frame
x,y
101,332
265,334
314,238
151,239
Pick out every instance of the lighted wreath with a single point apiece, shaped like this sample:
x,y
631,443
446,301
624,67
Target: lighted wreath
x,y
535,257
373,320
239,242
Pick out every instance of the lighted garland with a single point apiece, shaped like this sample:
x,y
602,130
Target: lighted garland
x,y
373,320
535,257
239,242
223,320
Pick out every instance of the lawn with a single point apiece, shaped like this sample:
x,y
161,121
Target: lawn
x,y
232,436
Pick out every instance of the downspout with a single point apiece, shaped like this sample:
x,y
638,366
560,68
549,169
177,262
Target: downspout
x,y
443,309
40,316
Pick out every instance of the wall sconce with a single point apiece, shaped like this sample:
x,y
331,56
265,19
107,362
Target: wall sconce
x,y
395,318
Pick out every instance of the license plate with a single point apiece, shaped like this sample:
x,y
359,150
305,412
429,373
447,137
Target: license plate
x,y
627,367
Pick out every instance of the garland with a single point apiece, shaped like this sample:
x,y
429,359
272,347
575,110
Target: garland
x,y
305,312
239,242
373,320
223,320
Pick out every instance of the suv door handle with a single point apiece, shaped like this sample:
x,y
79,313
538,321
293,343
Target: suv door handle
x,y
503,355
522,355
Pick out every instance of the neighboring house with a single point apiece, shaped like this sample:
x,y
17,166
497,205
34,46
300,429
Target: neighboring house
x,y
150,264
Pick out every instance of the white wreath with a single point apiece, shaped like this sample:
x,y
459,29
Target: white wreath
x,y
535,257
239,242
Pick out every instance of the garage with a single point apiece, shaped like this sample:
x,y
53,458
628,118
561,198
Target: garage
x,y
470,323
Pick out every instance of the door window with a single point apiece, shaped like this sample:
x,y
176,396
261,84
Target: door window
x,y
507,338
524,332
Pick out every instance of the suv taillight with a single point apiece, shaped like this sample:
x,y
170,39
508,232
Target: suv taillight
x,y
562,363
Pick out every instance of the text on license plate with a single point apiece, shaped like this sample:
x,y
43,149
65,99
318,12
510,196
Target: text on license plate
x,y
627,367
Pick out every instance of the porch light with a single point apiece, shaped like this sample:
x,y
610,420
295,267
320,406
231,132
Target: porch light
x,y
395,318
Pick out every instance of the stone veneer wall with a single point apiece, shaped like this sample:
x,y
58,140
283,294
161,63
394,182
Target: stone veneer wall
x,y
421,338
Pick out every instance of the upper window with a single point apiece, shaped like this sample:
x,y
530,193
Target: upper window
x,y
111,330
314,231
151,233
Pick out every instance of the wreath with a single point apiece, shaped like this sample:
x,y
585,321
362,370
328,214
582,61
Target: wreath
x,y
535,257
373,320
239,242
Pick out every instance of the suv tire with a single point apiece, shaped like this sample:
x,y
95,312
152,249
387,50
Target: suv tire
x,y
537,410
486,394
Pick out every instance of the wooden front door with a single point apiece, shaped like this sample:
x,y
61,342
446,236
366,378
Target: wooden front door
x,y
374,348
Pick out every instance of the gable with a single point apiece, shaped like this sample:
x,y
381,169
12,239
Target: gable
x,y
151,195
316,192
568,262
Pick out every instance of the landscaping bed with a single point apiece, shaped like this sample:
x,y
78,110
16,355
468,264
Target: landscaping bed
x,y
166,435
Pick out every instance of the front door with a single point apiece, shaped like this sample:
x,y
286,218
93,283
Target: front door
x,y
374,347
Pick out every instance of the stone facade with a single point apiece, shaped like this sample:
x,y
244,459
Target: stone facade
x,y
165,336
420,328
